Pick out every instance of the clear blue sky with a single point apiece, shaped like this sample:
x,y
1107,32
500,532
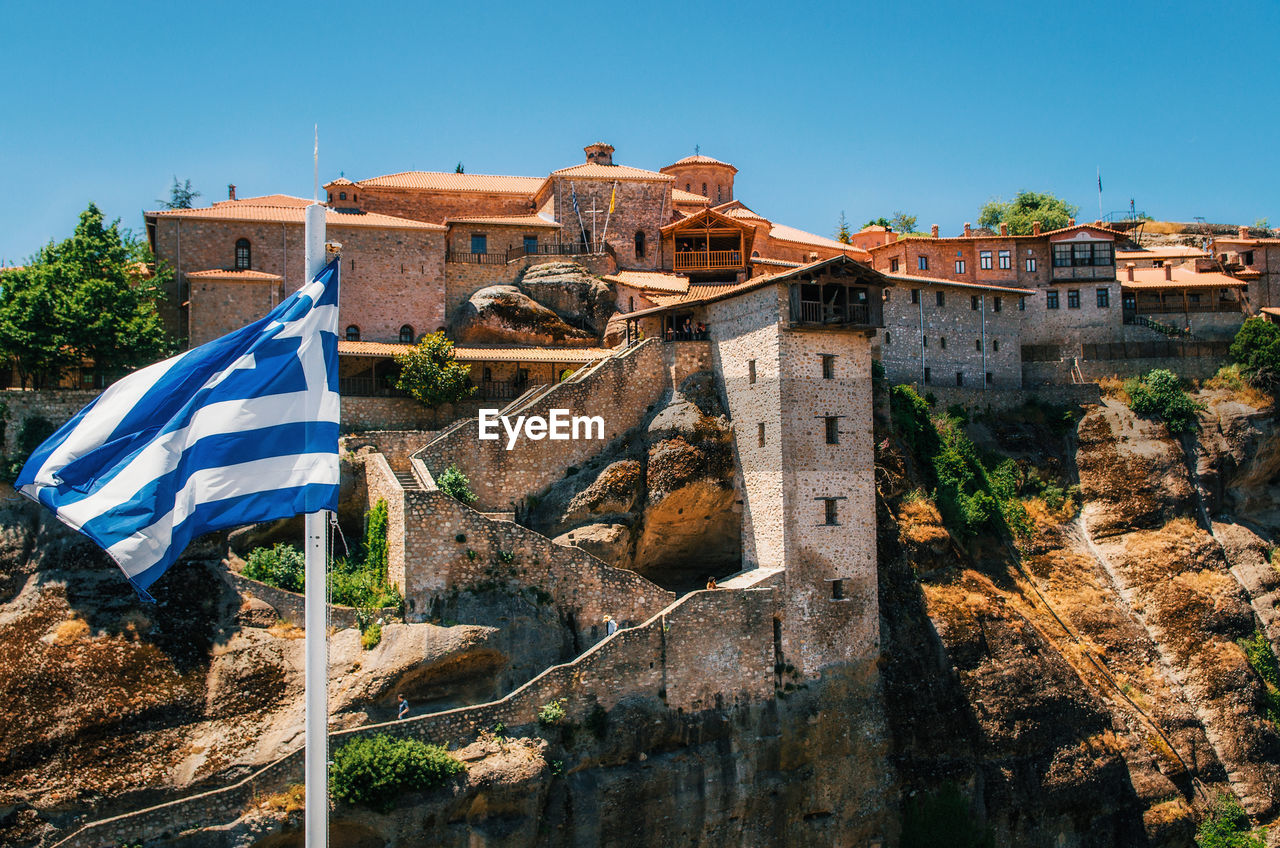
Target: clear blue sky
x,y
867,108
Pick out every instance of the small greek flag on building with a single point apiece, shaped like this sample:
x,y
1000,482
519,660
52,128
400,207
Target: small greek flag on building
x,y
240,430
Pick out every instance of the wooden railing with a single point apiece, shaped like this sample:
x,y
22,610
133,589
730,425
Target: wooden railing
x,y
476,258
694,260
499,389
821,313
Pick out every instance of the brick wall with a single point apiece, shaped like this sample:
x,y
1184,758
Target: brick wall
x,y
642,205
218,307
622,390
435,206
390,277
707,650
952,337
711,181
381,484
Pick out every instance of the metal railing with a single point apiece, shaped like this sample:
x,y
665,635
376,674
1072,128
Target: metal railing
x,y
558,249
367,387
1163,329
694,260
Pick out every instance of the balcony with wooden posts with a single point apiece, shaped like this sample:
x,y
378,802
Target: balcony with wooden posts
x,y
708,242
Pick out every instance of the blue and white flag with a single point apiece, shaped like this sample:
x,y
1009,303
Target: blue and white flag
x,y
240,430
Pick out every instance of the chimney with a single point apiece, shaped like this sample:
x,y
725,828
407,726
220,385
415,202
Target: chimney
x,y
1128,269
968,228
231,191
1168,270
1004,229
599,153
933,231
1071,222
1098,223
1243,232
1035,228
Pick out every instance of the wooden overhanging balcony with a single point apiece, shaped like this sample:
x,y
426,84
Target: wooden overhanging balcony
x,y
706,259
835,304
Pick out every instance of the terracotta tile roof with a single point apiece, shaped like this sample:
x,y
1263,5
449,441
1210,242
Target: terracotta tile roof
x,y
293,215
977,235
1152,279
596,171
267,200
700,160
481,353
245,276
942,281
742,213
1271,310
699,292
1238,240
688,198
781,232
651,281
505,221
780,263
1169,251
449,181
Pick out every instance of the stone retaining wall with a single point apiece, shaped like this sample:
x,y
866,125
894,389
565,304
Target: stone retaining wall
x,y
396,445
291,606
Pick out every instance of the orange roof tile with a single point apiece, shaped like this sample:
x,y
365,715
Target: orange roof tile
x,y
293,215
651,281
1152,279
596,171
987,236
449,181
780,263
688,198
699,160
481,353
267,200
781,232
505,220
1170,251
244,275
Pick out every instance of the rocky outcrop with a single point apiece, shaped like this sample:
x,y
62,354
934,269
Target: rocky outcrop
x,y
506,315
661,502
567,289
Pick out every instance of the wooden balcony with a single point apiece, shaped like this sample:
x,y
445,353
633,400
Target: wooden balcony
x,y
707,260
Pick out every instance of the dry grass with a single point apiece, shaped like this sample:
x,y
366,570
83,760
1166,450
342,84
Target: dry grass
x,y
289,801
1167,813
1113,387
284,630
71,630
1164,228
919,522
1230,382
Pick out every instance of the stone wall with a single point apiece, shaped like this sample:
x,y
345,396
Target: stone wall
x,y
621,390
396,445
381,483
642,205
710,649
361,414
998,400
58,406
949,339
291,606
435,206
218,307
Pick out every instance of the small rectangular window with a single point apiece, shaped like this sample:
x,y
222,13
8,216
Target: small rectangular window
x,y
1022,304
959,378
922,262
1104,298
1073,298
837,590
924,341
828,366
984,259
928,373
973,302
977,345
833,430
479,243
940,298
959,266
995,345
830,510
1006,260
1051,299
887,338
915,296
761,433
996,303
751,371
989,380
1246,258
942,342
893,266
1031,264
530,245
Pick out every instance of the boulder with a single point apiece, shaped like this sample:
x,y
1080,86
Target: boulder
x,y
615,331
506,315
568,290
609,542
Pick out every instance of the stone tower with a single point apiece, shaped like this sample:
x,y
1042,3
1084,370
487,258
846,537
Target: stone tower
x,y
703,175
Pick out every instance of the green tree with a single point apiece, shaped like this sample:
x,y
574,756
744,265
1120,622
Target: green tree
x,y
181,195
1261,224
429,372
1052,212
882,221
31,337
1160,392
843,233
1227,826
903,223
458,169
376,770
1257,350
456,485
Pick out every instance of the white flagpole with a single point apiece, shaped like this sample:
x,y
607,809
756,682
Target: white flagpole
x,y
316,618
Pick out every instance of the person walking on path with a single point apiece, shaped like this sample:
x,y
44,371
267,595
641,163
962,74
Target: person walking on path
x,y
403,712
711,582
610,626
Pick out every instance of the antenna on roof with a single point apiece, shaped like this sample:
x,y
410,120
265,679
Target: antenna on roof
x,y
697,148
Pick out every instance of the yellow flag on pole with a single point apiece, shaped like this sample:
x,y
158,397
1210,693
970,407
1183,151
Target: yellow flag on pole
x,y
613,198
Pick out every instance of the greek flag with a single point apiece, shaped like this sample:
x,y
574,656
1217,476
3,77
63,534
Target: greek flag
x,y
240,430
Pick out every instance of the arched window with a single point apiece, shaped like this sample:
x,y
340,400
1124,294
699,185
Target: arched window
x,y
353,333
688,187
639,244
704,189
406,334
242,255
342,195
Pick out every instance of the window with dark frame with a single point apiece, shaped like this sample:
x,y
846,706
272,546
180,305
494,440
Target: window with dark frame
x,y
922,262
989,380
243,254
995,345
942,342
928,373
479,243
353,333
959,266
984,259
959,378
887,338
406,334
915,296
760,433
640,244
487,374
940,298
1073,298
977,345
1104,298
1006,260
831,512
973,302
1051,299
1246,258
997,303
833,430
1022,304
893,266
1031,264
751,371
828,366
